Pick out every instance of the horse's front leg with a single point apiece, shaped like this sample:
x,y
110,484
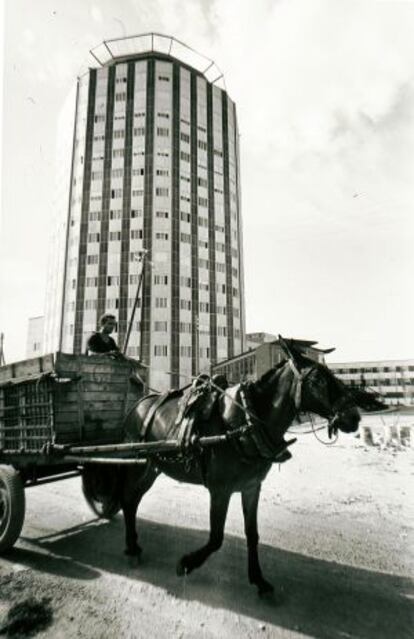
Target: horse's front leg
x,y
219,503
250,502
135,483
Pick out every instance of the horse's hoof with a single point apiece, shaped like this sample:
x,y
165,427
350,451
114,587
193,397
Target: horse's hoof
x,y
134,556
182,568
265,589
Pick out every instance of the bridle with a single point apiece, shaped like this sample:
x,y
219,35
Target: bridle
x,y
333,412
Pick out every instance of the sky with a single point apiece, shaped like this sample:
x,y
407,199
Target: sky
x,y
325,99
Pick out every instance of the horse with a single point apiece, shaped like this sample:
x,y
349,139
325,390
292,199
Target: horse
x,y
255,421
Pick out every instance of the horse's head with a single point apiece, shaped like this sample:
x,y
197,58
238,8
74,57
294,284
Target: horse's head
x,y
317,390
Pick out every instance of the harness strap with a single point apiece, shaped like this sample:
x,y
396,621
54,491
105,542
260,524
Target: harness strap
x,y
151,413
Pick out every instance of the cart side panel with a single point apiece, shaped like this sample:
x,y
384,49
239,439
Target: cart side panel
x,y
26,369
91,407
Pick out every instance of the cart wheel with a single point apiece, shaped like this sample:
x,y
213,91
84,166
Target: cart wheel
x,y
12,507
99,486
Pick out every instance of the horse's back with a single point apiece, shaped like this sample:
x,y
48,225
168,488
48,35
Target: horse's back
x,y
150,422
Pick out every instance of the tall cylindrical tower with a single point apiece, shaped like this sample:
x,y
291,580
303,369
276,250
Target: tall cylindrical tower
x,y
155,166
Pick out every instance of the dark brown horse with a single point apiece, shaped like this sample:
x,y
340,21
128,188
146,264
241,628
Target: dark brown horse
x,y
260,418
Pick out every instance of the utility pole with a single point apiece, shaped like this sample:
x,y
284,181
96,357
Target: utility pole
x,y
142,259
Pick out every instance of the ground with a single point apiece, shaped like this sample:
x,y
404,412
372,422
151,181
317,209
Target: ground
x,y
337,542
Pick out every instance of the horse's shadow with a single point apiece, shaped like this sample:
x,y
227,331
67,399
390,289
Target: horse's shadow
x,y
312,596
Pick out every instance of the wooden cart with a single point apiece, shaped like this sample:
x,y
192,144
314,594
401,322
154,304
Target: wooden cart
x,y
50,406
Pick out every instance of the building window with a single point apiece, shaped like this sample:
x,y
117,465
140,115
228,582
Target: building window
x,y
120,97
119,133
162,191
202,145
137,192
161,351
113,280
202,182
94,216
160,279
163,78
136,213
185,351
99,118
163,132
114,235
164,172
185,237
204,307
116,193
184,156
185,281
115,214
185,217
92,259
139,130
93,237
203,263
162,214
202,201
161,327
136,234
185,327
91,281
118,153
116,173
90,305
139,171
185,137
164,115
161,302
161,236
97,175
185,305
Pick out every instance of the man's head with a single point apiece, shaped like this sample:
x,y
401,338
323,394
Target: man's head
x,y
107,323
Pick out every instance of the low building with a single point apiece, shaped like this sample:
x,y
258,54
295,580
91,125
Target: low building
x,y
393,379
255,362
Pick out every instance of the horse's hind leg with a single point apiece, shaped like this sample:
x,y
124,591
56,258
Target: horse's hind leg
x,y
250,502
134,484
219,503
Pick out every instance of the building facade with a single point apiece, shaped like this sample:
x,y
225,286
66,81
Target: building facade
x,y
393,379
254,363
154,168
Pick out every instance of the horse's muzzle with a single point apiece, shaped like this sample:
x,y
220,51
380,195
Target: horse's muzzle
x,y
346,420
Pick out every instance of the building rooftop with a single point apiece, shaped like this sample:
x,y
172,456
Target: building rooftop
x,y
118,49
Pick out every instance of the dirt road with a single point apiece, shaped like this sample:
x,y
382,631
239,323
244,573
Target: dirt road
x,y
337,541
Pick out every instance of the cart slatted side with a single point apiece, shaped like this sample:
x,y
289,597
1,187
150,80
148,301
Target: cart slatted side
x,y
26,404
64,399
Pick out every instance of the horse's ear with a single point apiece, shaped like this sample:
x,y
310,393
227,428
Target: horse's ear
x,y
287,350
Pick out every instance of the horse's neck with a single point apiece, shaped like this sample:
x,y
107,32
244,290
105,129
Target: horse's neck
x,y
277,403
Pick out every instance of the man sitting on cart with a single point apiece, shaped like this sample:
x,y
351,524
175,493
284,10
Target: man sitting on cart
x,y
101,341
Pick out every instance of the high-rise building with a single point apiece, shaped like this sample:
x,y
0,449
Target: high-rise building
x,y
154,167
